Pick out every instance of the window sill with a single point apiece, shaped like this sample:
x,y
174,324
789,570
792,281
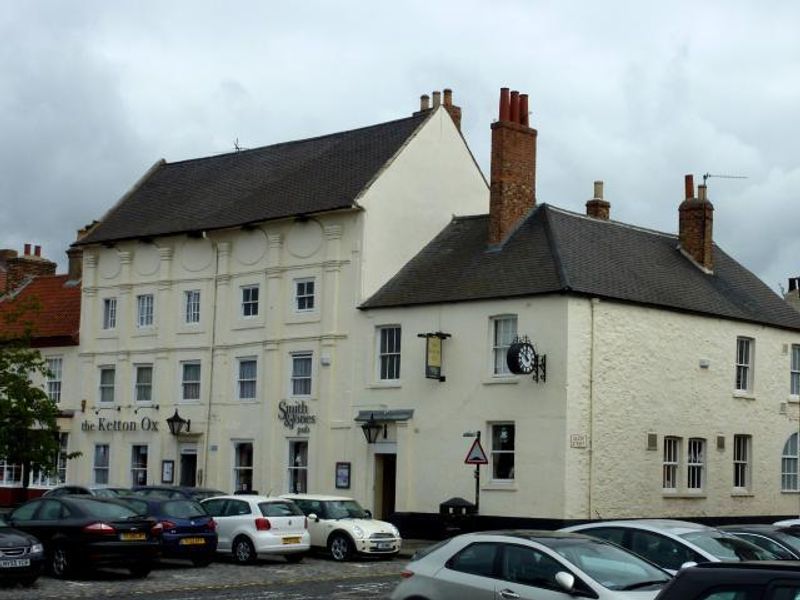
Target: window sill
x,y
685,495
385,385
501,380
245,323
497,486
793,399
744,395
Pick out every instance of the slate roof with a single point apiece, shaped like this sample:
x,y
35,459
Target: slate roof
x,y
250,186
49,306
557,251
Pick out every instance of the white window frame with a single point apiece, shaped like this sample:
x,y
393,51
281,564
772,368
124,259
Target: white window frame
x,y
106,389
742,461
794,370
671,463
696,464
389,353
187,382
55,368
191,307
297,467
41,479
139,385
497,453
10,474
240,469
250,307
790,459
303,296
98,468
139,469
503,330
296,378
242,382
110,312
745,360
145,311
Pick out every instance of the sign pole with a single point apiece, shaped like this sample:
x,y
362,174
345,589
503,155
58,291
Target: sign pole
x,y
477,480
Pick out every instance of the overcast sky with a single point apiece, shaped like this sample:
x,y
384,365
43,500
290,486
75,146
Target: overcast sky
x,y
634,93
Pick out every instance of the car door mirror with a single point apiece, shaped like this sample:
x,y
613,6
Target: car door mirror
x,y
313,517
566,581
687,564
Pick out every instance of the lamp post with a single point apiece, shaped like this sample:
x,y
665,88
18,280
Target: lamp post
x,y
372,428
176,424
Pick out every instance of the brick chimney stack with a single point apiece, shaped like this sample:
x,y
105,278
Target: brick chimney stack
x,y
695,225
513,170
444,99
597,208
453,110
19,268
793,295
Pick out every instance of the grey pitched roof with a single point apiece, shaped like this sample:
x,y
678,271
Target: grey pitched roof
x,y
293,178
557,251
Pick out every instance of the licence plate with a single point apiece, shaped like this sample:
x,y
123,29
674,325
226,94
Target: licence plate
x,y
291,540
133,537
192,541
384,545
17,562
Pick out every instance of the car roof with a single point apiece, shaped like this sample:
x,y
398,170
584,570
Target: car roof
x,y
673,526
319,497
541,535
252,497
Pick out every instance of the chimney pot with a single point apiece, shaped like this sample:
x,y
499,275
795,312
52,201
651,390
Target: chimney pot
x,y
688,184
515,106
598,189
437,99
448,97
702,192
793,283
424,102
27,251
37,250
597,208
523,109
505,105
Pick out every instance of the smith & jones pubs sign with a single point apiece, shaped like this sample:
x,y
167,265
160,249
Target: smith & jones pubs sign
x,y
296,415
104,424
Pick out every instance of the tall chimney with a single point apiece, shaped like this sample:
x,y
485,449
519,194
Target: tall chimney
x,y
696,224
513,170
453,110
597,207
424,102
437,99
20,268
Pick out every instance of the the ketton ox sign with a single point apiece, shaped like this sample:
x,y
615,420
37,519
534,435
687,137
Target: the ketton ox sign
x,y
104,424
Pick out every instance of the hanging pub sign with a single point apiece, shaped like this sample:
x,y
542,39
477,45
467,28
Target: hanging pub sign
x,y
522,359
433,354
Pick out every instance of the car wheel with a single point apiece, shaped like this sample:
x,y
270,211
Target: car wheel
x,y
295,558
61,563
202,561
340,547
141,570
243,551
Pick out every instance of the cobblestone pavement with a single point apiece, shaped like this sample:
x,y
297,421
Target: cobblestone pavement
x,y
171,579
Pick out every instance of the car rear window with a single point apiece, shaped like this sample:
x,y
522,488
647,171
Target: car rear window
x,y
139,506
183,509
279,509
106,510
203,494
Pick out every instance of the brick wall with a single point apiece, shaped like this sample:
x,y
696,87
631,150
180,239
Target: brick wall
x,y
695,224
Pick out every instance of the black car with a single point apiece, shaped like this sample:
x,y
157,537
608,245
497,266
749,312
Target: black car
x,y
176,491
79,532
762,580
189,532
21,555
783,542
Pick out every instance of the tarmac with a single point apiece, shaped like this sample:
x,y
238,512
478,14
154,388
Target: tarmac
x,y
411,546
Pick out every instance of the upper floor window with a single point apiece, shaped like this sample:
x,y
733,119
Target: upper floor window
x,y
190,381
389,353
301,374
504,330
696,464
789,462
248,368
745,349
107,378
794,376
191,306
109,313
54,368
741,461
144,383
671,463
304,294
250,300
502,451
144,310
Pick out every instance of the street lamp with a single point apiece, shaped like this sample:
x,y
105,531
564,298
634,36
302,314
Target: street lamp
x,y
372,428
176,424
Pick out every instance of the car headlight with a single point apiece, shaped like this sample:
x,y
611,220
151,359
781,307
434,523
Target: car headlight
x,y
395,531
37,549
358,532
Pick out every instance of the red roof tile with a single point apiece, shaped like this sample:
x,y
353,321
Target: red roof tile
x,y
49,306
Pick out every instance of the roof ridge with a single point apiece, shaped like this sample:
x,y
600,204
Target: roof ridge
x,y
553,243
292,142
571,213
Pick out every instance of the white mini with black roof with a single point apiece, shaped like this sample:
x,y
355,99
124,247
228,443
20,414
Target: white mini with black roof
x,y
341,526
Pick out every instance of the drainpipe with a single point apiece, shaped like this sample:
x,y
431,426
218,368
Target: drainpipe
x,y
592,304
211,368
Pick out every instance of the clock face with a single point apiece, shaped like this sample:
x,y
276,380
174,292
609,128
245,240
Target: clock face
x,y
521,357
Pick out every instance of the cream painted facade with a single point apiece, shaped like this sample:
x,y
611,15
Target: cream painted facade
x,y
346,254
616,374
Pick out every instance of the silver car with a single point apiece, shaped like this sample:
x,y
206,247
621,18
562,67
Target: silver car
x,y
545,565
672,544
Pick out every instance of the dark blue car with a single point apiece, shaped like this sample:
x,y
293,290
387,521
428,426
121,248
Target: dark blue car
x,y
189,532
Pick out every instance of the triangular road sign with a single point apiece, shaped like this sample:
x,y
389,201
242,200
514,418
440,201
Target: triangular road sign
x,y
476,455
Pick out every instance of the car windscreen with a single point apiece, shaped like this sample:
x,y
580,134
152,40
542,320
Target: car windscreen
x,y
279,509
203,494
344,509
727,547
140,507
608,565
106,510
183,509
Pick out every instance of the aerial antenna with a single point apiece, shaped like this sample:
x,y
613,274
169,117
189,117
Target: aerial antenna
x,y
237,147
707,175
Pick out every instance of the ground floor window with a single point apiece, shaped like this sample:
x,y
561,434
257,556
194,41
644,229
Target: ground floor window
x,y
243,466
10,474
741,461
298,467
101,463
789,465
695,464
139,465
502,451
59,475
672,452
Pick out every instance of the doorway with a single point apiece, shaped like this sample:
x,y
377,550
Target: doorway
x,y
188,466
385,485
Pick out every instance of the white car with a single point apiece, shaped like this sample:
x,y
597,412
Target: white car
x,y
540,565
339,525
252,526
671,544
